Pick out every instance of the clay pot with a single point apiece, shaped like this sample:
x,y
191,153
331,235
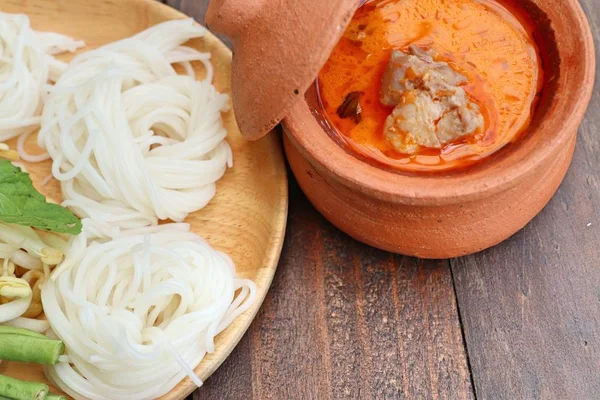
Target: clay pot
x,y
454,214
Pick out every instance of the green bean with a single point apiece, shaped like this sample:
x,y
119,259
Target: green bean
x,y
17,344
22,390
20,331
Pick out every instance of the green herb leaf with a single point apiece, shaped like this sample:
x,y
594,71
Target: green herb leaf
x,y
22,204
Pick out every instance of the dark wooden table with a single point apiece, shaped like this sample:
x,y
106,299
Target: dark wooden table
x,y
345,321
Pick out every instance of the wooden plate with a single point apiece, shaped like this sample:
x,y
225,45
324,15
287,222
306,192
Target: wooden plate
x,y
246,218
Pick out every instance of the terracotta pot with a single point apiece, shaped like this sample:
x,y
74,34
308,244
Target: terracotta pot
x,y
454,214
279,47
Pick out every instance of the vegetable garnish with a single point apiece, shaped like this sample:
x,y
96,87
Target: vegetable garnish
x,y
6,330
22,204
6,152
14,287
23,345
22,390
20,294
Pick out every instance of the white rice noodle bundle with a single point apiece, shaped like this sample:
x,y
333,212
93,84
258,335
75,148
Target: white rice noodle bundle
x,y
26,66
139,311
133,142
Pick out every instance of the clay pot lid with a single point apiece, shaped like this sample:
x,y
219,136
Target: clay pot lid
x,y
279,46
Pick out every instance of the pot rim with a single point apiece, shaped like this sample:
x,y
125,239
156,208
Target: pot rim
x,y
510,165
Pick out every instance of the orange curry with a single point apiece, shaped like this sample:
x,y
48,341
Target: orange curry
x,y
480,39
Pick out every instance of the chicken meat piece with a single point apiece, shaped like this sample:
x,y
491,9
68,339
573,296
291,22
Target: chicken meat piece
x,y
431,109
405,71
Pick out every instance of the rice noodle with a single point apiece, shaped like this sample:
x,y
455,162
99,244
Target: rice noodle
x,y
137,304
133,142
26,66
137,312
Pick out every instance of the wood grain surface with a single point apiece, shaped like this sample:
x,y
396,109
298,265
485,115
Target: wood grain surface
x,y
531,307
345,321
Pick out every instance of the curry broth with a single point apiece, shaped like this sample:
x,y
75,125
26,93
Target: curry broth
x,y
480,39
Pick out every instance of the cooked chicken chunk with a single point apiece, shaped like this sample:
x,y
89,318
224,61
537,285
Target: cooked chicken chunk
x,y
431,108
